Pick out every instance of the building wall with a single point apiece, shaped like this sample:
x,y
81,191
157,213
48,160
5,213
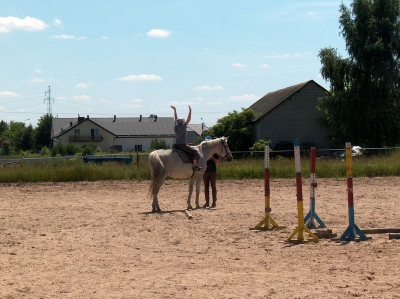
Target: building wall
x,y
108,139
191,137
295,118
128,144
85,130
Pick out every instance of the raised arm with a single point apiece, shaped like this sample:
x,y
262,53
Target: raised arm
x,y
189,115
175,115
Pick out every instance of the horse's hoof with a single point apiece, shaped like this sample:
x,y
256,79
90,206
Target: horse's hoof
x,y
198,207
153,210
189,208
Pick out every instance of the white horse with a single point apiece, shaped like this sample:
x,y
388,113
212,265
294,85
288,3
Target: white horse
x,y
165,163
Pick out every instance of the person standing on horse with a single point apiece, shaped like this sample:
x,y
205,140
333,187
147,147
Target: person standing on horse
x,y
180,142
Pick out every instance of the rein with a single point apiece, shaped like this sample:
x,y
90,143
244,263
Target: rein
x,y
224,146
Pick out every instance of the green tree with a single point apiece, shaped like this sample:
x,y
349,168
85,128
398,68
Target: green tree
x,y
363,105
6,150
258,148
3,127
14,135
236,126
89,149
156,144
43,131
27,139
58,150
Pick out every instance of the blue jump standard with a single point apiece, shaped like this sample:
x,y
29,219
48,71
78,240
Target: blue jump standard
x,y
312,215
350,234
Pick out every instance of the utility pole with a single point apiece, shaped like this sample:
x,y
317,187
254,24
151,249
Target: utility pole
x,y
48,99
202,128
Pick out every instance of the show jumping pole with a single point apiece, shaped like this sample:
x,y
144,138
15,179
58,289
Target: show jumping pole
x,y
350,234
301,227
266,223
312,215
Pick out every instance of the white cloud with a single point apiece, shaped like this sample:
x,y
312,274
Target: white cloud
x,y
81,98
2,108
81,85
140,78
57,22
27,24
135,103
64,36
36,80
105,37
176,103
310,13
209,88
159,33
237,64
245,97
215,103
38,71
8,94
264,65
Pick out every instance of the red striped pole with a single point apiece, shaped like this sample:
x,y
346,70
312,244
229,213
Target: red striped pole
x,y
265,224
311,216
350,234
300,214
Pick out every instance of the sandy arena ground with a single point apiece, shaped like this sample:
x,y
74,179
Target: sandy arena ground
x,y
99,240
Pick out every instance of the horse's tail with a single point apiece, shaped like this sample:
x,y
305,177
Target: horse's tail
x,y
157,170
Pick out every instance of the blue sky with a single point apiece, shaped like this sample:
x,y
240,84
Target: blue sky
x,y
131,58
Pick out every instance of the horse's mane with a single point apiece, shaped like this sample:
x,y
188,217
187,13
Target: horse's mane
x,y
211,142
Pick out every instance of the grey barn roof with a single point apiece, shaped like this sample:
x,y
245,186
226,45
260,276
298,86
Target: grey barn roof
x,y
273,99
128,126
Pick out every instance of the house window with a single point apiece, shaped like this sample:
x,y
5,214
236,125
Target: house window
x,y
77,132
191,135
138,147
94,132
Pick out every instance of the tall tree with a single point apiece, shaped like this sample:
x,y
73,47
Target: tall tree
x,y
14,134
3,127
27,139
43,131
364,101
236,126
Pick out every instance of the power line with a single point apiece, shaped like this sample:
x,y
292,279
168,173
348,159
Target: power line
x,y
49,98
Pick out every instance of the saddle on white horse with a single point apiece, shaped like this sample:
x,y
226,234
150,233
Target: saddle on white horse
x,y
185,156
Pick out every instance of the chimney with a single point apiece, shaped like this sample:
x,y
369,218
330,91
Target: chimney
x,y
70,123
115,118
140,119
87,117
155,118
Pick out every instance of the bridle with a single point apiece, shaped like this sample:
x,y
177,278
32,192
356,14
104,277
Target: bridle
x,y
226,148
